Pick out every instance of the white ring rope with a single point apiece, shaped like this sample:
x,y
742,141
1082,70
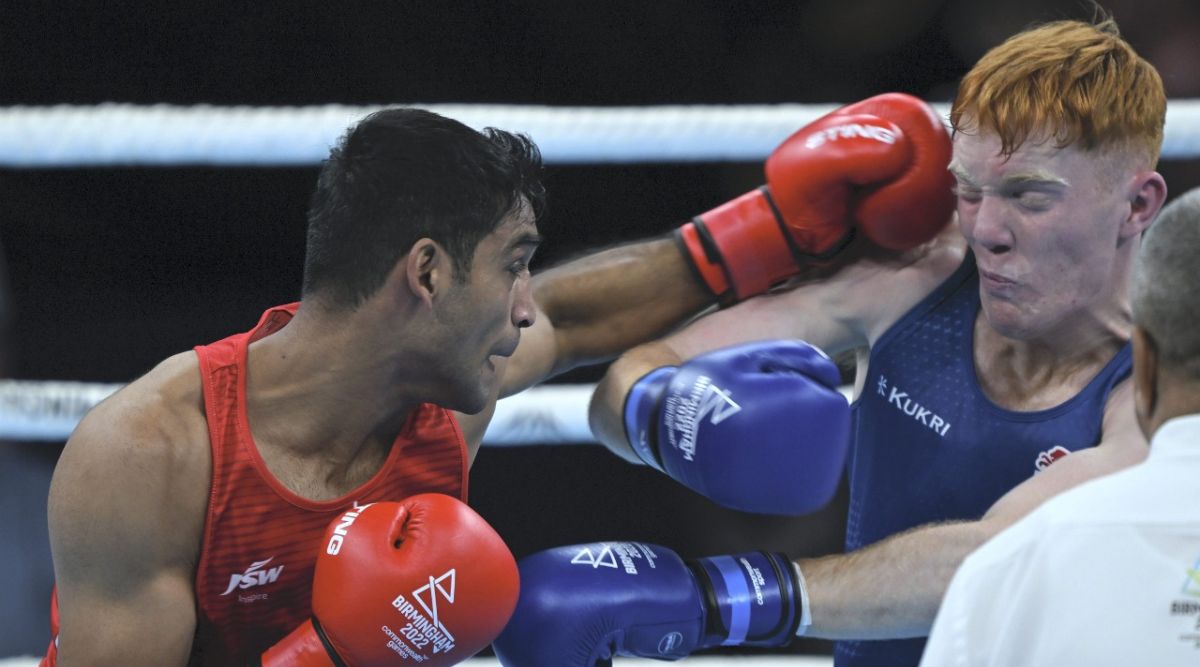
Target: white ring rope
x,y
35,410
49,411
547,414
123,134
126,134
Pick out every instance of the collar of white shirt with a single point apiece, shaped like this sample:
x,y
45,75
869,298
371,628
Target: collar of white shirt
x,y
1177,437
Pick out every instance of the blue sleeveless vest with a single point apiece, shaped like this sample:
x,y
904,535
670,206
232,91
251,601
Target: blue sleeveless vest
x,y
929,446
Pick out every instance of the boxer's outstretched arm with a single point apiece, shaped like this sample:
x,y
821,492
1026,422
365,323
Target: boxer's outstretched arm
x,y
597,306
845,309
591,309
892,184
126,513
780,315
892,589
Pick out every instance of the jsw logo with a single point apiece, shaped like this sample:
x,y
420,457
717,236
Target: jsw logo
x,y
851,131
254,576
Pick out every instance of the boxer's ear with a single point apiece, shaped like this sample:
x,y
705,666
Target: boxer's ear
x,y
427,270
1145,378
1146,192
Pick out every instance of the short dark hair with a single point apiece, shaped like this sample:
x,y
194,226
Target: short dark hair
x,y
1166,302
403,174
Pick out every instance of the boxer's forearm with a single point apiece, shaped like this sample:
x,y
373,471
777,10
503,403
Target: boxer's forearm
x,y
607,302
606,412
890,589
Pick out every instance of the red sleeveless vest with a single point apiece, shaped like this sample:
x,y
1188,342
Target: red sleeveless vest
x,y
260,540
254,578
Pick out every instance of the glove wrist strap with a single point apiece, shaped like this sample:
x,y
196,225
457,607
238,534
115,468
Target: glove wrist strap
x,y
641,414
751,599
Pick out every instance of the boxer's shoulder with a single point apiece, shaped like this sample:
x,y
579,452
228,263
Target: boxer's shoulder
x,y
126,516
148,440
163,407
897,284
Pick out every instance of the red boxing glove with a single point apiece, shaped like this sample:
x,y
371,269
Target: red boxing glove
x,y
424,581
878,165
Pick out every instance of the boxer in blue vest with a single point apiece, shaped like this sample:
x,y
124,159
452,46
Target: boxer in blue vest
x,y
993,372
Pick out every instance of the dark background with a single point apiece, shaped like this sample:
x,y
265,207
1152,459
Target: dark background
x,y
111,270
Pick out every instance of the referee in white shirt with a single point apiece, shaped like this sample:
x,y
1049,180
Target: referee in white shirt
x,y
1107,573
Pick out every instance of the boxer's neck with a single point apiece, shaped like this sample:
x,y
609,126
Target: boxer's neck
x,y
1043,372
319,387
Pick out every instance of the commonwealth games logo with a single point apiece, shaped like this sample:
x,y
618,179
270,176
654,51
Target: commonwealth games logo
x,y
1191,585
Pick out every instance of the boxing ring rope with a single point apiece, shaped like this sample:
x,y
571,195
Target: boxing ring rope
x,y
125,134
32,410
66,136
548,414
163,135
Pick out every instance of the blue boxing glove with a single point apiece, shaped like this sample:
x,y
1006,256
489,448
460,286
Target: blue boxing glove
x,y
758,427
582,605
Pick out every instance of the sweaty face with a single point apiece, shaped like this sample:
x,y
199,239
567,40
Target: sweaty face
x,y
484,314
1044,225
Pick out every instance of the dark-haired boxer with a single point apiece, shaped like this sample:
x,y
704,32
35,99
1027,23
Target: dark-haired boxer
x,y
187,511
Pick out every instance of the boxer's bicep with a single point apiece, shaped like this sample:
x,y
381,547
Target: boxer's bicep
x,y
835,313
595,307
122,571
810,313
842,311
790,314
153,624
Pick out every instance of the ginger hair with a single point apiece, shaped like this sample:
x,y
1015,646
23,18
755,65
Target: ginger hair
x,y
1067,81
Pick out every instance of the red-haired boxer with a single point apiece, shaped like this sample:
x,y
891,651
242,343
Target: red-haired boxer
x,y
187,510
879,164
1137,530
984,356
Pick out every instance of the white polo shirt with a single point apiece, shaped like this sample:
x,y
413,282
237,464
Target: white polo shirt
x,y
1107,573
